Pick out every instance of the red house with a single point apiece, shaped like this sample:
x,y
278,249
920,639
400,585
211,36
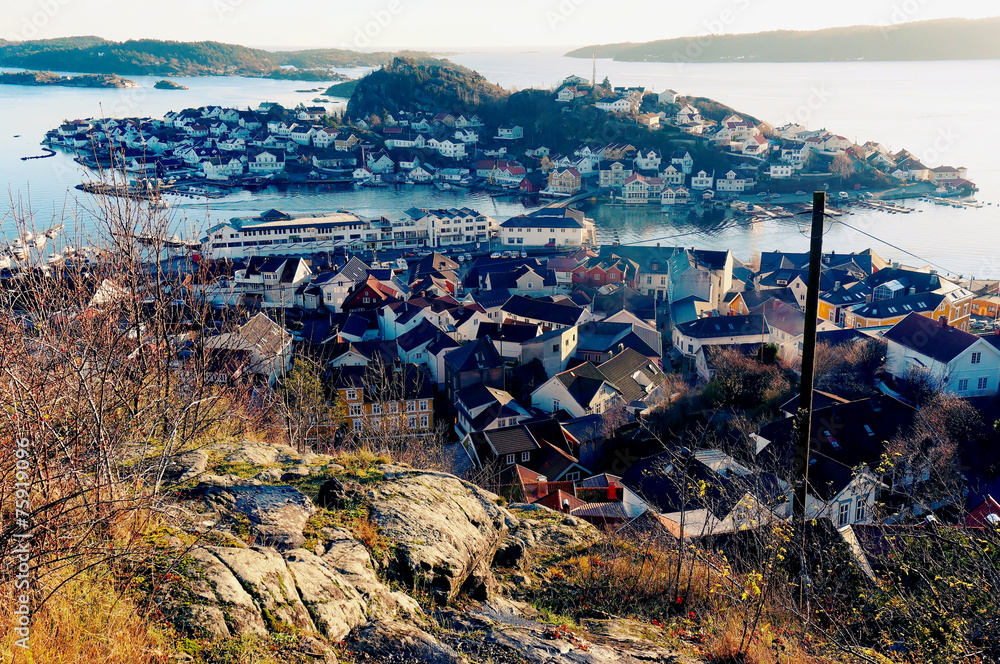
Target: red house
x,y
370,294
597,272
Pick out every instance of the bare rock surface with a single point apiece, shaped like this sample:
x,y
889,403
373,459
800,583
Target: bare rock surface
x,y
442,529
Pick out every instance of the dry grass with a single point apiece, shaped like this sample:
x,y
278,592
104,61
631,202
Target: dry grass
x,y
89,620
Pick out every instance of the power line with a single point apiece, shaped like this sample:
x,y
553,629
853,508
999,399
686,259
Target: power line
x,y
896,247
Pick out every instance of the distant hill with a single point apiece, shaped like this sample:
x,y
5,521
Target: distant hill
x,y
171,58
423,84
946,39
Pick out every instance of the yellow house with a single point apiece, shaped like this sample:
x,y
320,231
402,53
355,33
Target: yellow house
x,y
400,398
833,305
953,306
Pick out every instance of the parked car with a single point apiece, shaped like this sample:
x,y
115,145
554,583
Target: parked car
x,y
460,258
495,254
467,257
843,194
524,254
507,254
801,193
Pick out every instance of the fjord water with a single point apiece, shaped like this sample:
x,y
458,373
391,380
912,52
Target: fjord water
x,y
942,111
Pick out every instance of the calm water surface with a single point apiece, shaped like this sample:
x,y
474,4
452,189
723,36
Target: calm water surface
x,y
941,111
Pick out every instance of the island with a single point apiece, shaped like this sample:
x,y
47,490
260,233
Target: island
x,y
169,85
944,39
172,58
344,90
81,81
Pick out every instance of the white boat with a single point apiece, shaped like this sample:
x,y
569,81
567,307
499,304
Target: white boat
x,y
400,264
54,231
5,261
18,250
55,258
442,186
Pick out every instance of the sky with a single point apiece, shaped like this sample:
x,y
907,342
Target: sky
x,y
451,24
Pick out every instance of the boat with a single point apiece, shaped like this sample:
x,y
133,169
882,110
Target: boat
x,y
55,258
400,264
442,186
52,232
18,250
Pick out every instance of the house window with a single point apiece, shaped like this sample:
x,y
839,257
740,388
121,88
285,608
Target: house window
x,y
411,422
393,407
845,513
376,409
555,405
649,281
663,281
510,459
525,456
356,410
358,425
859,513
983,382
423,405
424,422
352,395
963,385
411,406
977,358
555,348
572,477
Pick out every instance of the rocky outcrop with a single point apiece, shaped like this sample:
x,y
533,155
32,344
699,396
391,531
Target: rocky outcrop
x,y
443,530
276,514
437,534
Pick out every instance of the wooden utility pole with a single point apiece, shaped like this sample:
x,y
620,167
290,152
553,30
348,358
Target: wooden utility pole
x,y
804,416
804,420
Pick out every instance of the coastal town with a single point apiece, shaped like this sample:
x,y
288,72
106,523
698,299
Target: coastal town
x,y
526,343
210,150
469,361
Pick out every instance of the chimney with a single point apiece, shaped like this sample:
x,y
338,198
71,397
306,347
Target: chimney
x,y
868,298
836,285
895,265
943,320
565,505
543,486
612,492
913,290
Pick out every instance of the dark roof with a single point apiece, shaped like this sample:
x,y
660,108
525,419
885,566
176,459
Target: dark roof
x,y
621,369
583,382
526,307
753,299
625,299
725,326
929,337
489,299
897,306
508,440
547,218
923,282
475,356
423,333
403,381
844,436
511,332
841,337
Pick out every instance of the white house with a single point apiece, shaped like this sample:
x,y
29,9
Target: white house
x,y
580,391
668,96
554,227
702,181
732,182
267,162
508,133
960,363
779,171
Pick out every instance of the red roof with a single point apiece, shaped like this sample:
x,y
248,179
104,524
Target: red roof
x,y
556,499
977,518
